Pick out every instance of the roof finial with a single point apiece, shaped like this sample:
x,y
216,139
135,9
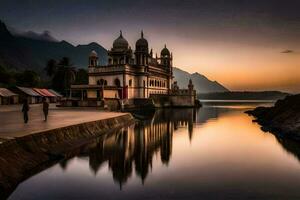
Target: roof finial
x,y
142,34
121,33
165,46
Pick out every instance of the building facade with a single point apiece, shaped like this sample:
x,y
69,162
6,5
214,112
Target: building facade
x,y
129,74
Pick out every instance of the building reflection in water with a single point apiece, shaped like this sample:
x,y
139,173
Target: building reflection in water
x,y
133,147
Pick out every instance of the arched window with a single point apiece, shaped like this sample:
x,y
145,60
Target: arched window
x,y
130,82
117,82
102,82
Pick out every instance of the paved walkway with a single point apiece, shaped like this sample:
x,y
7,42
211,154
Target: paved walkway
x,y
12,125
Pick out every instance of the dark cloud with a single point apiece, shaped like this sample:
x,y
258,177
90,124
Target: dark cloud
x,y
288,51
241,21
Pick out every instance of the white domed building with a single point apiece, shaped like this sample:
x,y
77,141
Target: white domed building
x,y
128,74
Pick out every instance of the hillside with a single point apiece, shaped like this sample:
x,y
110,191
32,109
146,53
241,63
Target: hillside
x,y
18,52
201,83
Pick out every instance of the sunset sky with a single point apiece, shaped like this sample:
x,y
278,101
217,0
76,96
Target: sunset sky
x,y
243,44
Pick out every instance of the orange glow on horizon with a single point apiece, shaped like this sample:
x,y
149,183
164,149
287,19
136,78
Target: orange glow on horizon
x,y
242,67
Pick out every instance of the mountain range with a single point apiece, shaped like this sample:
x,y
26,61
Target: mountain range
x,y
30,50
201,83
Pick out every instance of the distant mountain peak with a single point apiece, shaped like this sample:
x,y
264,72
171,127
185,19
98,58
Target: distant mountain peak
x,y
64,42
4,30
93,44
201,83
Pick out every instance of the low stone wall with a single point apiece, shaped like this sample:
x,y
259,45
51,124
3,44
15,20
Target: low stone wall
x,y
23,157
80,103
112,104
138,104
173,100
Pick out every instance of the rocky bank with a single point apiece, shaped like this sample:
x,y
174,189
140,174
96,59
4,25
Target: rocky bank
x,y
282,119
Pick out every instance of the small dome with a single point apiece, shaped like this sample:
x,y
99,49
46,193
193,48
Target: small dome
x,y
93,54
142,42
120,43
165,51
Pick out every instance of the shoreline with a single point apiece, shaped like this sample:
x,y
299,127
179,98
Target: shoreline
x,y
283,119
34,152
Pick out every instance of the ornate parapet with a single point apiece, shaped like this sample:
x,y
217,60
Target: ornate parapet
x,y
109,68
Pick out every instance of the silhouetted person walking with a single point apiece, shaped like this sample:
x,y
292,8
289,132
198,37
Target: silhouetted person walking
x,y
25,110
45,108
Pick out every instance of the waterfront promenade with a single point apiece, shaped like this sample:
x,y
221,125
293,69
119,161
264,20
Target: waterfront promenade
x,y
12,125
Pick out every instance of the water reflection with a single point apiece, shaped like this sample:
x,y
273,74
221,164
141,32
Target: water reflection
x,y
133,147
214,152
290,146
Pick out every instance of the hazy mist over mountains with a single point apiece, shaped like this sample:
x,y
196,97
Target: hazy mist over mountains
x,y
29,50
44,36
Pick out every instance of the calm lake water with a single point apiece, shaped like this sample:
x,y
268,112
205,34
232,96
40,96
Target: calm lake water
x,y
216,152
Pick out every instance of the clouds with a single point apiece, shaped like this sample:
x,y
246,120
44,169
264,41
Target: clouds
x,y
288,51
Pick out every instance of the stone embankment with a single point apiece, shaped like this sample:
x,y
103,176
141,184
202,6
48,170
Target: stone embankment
x,y
25,156
282,119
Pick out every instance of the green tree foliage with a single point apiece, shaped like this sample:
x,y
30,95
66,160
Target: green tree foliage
x,y
27,78
51,67
63,74
6,78
82,77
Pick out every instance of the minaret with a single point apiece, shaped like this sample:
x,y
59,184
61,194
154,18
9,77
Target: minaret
x,y
191,86
93,59
165,57
141,50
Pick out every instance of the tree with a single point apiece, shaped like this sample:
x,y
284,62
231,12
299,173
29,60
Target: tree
x,y
28,78
81,77
63,73
5,76
51,67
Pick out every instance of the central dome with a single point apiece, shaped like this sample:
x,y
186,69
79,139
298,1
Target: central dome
x,y
120,43
141,44
165,51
